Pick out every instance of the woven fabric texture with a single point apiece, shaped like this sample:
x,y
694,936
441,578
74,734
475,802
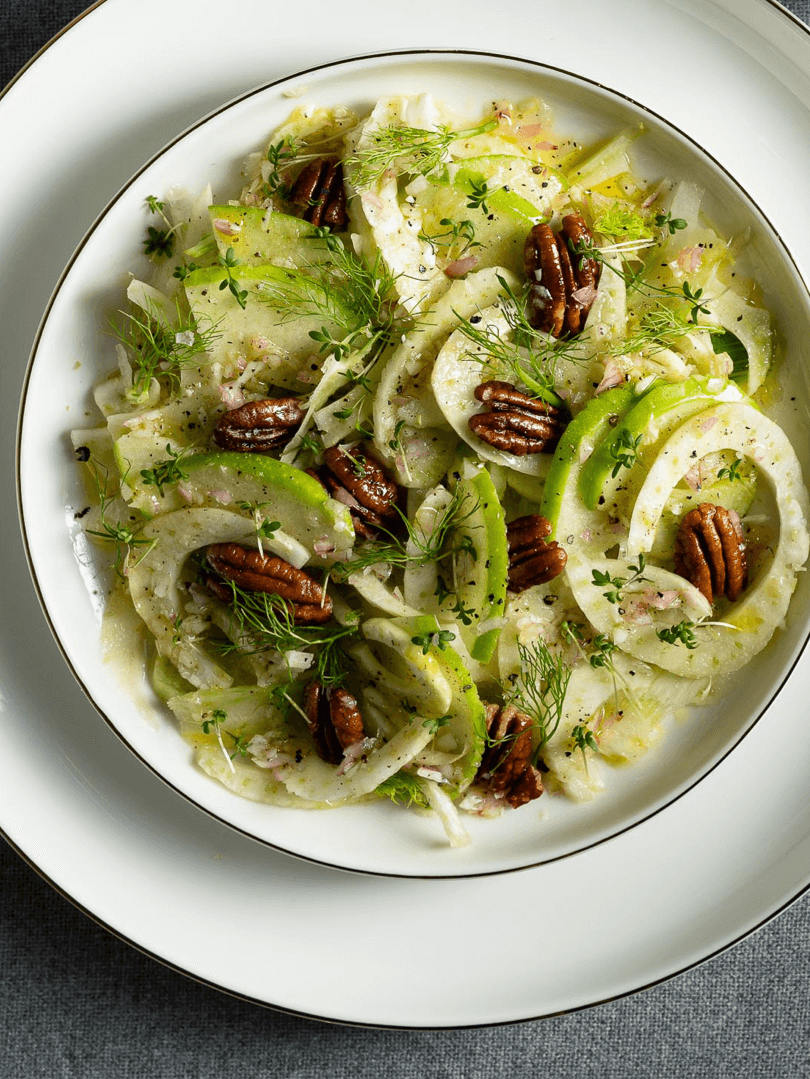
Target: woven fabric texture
x,y
75,1002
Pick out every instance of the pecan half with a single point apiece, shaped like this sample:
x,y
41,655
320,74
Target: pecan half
x,y
506,767
319,195
532,560
541,260
710,551
562,282
515,422
259,426
256,572
334,719
363,485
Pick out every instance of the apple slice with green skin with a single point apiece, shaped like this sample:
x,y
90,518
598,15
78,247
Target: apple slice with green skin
x,y
501,198
439,686
570,520
516,198
280,492
260,236
514,185
660,409
261,325
480,576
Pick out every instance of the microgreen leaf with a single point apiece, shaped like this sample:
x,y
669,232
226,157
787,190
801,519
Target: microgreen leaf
x,y
165,472
681,633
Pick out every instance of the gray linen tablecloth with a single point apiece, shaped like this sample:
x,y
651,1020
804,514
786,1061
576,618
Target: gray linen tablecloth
x,y
75,1001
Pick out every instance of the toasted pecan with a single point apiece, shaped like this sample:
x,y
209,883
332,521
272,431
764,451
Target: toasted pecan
x,y
253,571
259,426
710,551
506,767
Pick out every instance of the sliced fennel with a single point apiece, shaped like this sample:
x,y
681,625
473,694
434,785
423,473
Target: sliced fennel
x,y
154,585
430,639
421,453
458,369
753,619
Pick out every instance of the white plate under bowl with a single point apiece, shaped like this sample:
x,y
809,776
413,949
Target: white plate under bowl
x,y
73,351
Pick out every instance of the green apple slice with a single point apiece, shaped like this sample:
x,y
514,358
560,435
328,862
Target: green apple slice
x,y
439,684
283,332
513,186
260,236
481,572
572,523
646,424
278,491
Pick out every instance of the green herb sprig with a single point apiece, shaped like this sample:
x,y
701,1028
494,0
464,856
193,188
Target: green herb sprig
x,y
458,237
731,472
435,725
281,155
524,355
614,587
158,350
670,223
541,687
584,738
427,640
477,195
624,451
267,622
228,261
159,241
408,151
416,549
124,536
681,633
166,472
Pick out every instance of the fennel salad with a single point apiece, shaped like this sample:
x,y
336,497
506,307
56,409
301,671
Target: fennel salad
x,y
436,462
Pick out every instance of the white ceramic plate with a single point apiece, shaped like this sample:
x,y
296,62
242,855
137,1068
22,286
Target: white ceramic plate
x,y
373,838
664,895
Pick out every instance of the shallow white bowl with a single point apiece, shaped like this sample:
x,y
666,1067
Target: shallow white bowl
x,y
72,352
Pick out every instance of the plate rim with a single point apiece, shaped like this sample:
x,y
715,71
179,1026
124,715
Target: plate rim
x,y
360,1024
774,913
325,68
